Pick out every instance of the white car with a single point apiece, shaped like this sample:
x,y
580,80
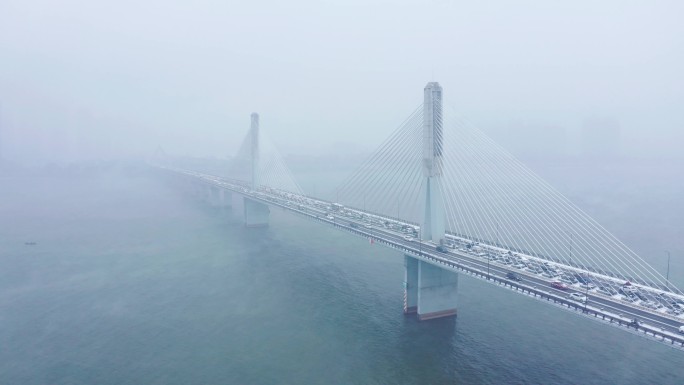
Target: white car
x,y
330,217
681,329
408,237
588,286
578,297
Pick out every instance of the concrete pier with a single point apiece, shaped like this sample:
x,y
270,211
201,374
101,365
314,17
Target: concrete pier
x,y
224,199
410,285
237,203
218,197
210,196
256,213
431,290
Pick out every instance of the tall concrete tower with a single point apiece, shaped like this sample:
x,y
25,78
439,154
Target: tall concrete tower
x,y
433,226
254,132
429,290
256,213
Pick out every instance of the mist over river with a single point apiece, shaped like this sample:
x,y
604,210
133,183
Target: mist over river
x,y
131,282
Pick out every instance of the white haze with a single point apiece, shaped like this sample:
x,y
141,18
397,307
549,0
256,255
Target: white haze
x,y
84,80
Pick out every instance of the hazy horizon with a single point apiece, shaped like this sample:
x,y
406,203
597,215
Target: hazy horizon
x,y
523,225
84,81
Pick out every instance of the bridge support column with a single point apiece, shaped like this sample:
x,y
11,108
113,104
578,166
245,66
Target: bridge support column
x,y
430,290
224,199
200,191
437,291
256,213
237,203
209,197
410,285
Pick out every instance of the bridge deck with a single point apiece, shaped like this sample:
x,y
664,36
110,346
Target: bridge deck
x,y
654,308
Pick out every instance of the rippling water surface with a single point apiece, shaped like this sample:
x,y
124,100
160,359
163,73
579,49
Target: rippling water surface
x,y
132,283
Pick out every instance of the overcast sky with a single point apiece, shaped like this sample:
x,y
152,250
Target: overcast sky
x,y
82,79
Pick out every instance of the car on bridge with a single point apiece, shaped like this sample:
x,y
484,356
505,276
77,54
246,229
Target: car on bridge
x,y
442,249
559,285
631,298
681,329
513,276
582,278
651,305
578,297
588,286
607,290
568,279
628,289
674,311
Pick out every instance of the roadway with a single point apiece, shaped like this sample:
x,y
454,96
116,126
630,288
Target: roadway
x,y
368,225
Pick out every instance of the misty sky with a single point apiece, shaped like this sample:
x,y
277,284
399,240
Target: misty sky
x,y
87,79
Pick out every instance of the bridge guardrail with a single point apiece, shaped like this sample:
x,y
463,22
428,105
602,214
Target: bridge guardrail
x,y
614,319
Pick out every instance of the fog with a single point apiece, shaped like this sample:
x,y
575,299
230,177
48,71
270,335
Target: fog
x,y
84,80
114,272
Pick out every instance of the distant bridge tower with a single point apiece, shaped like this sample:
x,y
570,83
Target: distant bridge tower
x,y
254,133
255,213
433,225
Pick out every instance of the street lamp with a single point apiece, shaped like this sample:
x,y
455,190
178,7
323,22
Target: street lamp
x,y
488,257
667,277
420,240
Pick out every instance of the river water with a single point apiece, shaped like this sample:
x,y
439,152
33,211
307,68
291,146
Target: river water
x,y
131,282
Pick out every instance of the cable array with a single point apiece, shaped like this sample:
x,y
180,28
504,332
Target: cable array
x,y
489,197
272,173
389,182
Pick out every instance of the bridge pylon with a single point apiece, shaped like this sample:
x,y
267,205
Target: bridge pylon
x,y
433,226
254,150
429,290
256,214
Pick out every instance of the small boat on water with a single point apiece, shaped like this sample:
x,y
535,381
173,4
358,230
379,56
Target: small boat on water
x,y
30,243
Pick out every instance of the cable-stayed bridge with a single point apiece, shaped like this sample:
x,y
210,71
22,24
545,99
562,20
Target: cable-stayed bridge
x,y
453,201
